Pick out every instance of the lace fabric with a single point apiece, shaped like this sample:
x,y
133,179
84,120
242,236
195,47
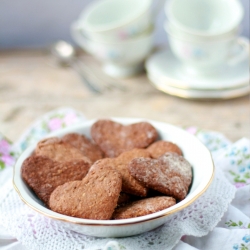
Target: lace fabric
x,y
34,230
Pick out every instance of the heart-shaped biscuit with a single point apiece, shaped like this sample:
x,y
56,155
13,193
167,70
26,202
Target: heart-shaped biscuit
x,y
170,174
159,148
81,142
143,207
43,175
129,183
114,138
95,197
58,150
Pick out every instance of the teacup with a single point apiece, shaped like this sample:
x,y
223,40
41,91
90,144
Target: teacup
x,y
206,56
203,34
206,18
198,37
120,59
116,20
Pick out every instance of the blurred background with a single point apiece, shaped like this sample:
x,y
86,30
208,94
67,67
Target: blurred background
x,y
35,24
33,81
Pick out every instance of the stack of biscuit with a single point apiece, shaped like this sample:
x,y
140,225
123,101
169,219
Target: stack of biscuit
x,y
122,171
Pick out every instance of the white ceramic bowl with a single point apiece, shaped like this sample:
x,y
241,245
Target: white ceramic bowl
x,y
120,59
194,151
116,20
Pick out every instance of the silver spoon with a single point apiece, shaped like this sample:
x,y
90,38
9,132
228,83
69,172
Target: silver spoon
x,y
66,54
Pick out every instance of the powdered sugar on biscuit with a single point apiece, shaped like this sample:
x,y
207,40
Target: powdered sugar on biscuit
x,y
170,174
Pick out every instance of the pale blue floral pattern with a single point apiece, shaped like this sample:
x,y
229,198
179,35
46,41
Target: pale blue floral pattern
x,y
237,159
243,244
240,160
246,238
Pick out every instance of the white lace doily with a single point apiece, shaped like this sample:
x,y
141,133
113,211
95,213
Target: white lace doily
x,y
34,230
37,232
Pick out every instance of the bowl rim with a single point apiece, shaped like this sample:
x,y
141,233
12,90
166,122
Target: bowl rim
x,y
90,222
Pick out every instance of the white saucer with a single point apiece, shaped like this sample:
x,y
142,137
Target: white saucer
x,y
199,94
165,66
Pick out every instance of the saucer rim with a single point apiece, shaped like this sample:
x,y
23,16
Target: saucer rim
x,y
204,95
182,84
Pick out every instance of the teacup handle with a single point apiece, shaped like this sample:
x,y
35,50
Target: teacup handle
x,y
243,43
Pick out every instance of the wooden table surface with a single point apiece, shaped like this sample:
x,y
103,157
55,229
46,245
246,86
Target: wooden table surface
x,y
32,83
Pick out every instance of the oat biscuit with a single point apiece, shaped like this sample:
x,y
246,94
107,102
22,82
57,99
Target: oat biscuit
x,y
170,174
129,183
43,175
81,142
159,148
57,150
114,138
143,207
95,197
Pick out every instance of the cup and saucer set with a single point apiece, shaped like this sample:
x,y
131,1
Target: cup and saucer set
x,y
206,58
119,33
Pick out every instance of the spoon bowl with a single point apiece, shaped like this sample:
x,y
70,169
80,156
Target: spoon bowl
x,y
63,51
